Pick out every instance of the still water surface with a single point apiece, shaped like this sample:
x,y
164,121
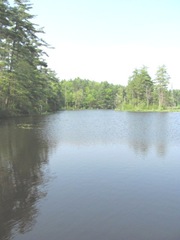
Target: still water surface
x,y
90,175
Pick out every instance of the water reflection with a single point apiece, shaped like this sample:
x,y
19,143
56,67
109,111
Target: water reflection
x,y
147,130
100,179
23,159
141,131
139,127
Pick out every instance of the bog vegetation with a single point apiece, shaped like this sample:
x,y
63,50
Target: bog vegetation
x,y
28,86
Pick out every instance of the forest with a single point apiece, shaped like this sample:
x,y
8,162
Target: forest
x,y
28,86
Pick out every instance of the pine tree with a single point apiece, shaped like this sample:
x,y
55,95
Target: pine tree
x,y
140,87
22,64
162,82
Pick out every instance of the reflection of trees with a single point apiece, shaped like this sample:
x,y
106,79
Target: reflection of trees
x,y
162,133
139,131
146,130
22,156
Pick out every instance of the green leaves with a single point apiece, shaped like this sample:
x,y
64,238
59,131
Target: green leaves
x,y
86,94
161,83
140,87
25,82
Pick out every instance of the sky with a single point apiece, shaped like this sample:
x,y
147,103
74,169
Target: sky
x,y
105,40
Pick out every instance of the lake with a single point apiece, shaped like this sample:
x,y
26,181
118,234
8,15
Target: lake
x,y
92,174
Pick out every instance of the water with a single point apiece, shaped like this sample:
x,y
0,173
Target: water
x,y
83,175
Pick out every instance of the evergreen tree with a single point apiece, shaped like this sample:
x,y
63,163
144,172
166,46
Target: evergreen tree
x,y
24,81
162,82
140,87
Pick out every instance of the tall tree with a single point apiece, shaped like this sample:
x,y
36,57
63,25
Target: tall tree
x,y
22,66
120,98
140,87
4,30
162,82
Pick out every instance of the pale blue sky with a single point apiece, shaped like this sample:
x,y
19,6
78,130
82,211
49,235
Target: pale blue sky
x,y
105,40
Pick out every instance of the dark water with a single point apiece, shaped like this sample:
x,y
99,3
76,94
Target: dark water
x,y
87,175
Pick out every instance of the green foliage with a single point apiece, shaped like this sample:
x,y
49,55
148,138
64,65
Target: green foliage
x,y
27,86
143,94
86,94
140,88
161,84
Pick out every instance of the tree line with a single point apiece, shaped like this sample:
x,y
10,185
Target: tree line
x,y
28,86
142,93
145,93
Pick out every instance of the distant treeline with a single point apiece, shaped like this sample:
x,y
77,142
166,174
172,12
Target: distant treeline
x,y
28,86
145,93
141,94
